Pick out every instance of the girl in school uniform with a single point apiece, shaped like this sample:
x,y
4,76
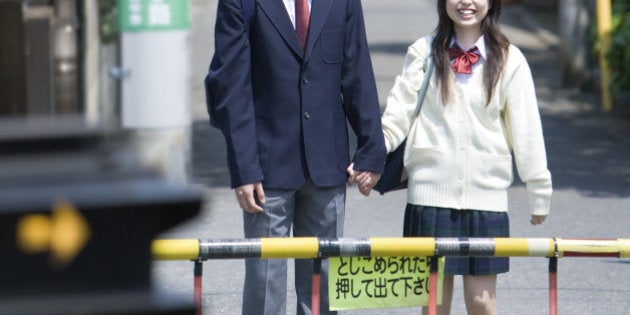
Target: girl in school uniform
x,y
479,115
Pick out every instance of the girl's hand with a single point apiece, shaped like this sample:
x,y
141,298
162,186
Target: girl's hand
x,y
364,179
367,181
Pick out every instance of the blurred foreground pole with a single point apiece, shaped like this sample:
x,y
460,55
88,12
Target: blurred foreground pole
x,y
604,27
155,74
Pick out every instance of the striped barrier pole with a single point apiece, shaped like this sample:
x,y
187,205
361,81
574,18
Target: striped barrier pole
x,y
315,248
311,247
183,249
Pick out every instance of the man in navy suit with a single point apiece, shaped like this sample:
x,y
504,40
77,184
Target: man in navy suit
x,y
283,90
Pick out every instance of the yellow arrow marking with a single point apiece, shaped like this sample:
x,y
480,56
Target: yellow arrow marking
x,y
33,233
70,233
64,234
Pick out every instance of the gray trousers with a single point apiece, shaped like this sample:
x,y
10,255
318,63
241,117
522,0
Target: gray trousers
x,y
309,211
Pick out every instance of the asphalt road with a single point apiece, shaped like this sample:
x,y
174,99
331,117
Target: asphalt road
x,y
589,158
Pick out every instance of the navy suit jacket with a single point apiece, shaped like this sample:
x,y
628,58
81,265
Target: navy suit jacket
x,y
284,111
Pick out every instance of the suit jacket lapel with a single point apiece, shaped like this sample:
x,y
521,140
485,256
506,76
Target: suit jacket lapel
x,y
319,13
277,14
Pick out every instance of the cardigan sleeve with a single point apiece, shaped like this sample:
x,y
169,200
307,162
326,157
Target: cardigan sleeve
x,y
402,98
523,123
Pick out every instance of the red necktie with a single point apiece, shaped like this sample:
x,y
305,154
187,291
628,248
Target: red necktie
x,y
302,16
464,60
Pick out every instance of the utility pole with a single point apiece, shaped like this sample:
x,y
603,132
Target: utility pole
x,y
604,27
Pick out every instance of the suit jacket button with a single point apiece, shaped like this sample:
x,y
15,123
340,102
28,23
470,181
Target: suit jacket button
x,y
305,81
307,115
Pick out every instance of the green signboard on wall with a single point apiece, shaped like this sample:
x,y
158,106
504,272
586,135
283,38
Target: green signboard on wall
x,y
153,15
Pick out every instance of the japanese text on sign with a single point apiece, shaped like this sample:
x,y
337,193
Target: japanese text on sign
x,y
379,282
153,15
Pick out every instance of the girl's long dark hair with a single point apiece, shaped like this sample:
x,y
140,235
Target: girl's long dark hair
x,y
497,46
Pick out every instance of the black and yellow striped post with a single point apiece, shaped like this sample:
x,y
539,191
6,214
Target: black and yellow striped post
x,y
316,248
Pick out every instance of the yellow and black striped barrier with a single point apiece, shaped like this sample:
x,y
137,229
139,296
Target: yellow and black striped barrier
x,y
312,247
321,248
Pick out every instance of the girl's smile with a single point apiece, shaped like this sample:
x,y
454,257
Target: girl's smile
x,y
467,13
467,16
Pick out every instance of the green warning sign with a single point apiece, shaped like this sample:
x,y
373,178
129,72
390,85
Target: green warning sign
x,y
153,15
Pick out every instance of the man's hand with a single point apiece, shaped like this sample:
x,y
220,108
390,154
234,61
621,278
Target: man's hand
x,y
538,219
246,196
365,179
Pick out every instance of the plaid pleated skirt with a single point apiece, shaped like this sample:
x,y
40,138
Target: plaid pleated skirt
x,y
444,222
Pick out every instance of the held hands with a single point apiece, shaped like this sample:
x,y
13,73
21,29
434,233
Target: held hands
x,y
364,179
246,196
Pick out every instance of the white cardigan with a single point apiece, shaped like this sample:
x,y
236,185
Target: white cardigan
x,y
459,155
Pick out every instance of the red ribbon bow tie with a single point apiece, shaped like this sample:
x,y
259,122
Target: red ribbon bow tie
x,y
464,60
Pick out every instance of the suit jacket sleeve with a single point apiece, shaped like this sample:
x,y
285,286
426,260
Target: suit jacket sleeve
x,y
230,83
360,96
